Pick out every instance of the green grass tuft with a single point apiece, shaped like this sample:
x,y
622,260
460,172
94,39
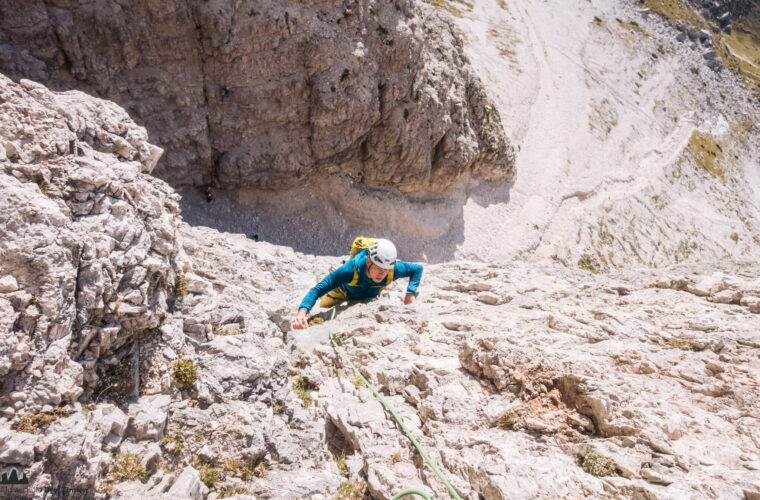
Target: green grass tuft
x,y
128,467
33,424
173,442
352,490
209,474
588,263
340,461
303,387
231,491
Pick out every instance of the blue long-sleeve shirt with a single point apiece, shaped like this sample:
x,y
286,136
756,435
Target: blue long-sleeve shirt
x,y
353,276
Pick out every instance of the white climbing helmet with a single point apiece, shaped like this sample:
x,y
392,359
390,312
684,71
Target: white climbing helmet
x,y
382,253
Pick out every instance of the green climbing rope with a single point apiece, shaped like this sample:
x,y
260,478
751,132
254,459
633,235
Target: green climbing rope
x,y
388,407
411,492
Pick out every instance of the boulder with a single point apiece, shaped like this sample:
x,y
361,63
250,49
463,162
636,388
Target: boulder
x,y
147,417
16,447
188,485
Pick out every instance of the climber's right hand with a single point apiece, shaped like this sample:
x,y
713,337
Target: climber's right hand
x,y
300,322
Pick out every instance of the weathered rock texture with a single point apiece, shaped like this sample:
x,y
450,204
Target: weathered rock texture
x,y
86,237
509,375
268,94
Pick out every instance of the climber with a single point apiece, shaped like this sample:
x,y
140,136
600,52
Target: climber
x,y
225,93
209,194
361,278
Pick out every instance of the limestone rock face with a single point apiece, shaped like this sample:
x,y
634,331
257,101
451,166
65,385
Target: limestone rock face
x,y
513,376
653,369
268,94
86,237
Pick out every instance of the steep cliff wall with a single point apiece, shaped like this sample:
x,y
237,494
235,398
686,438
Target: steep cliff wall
x,y
268,94
86,238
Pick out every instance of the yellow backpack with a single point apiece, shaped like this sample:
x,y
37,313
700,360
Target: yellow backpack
x,y
362,243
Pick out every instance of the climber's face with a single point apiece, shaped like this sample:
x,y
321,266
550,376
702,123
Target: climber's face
x,y
375,273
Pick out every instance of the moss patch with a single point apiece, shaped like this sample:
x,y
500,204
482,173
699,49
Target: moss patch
x,y
316,320
683,345
227,330
357,381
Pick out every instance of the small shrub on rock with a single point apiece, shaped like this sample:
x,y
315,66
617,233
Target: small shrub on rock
x,y
180,286
598,465
506,421
185,373
116,383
